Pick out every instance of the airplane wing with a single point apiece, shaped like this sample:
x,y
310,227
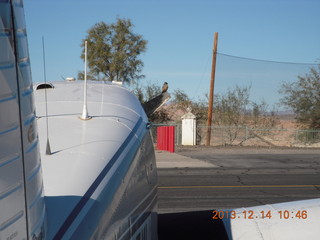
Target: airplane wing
x,y
290,220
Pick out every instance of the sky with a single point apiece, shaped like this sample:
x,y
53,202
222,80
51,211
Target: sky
x,y
180,40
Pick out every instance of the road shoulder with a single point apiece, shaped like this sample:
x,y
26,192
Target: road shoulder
x,y
172,160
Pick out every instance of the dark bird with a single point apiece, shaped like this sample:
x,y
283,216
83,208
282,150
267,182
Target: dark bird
x,y
165,87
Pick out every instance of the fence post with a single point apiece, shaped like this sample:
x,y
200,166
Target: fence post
x,y
246,133
189,130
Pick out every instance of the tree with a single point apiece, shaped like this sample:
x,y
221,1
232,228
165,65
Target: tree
x,y
261,117
303,97
233,111
231,107
147,92
181,99
151,91
90,76
113,51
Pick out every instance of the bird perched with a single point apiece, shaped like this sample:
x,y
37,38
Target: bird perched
x,y
165,87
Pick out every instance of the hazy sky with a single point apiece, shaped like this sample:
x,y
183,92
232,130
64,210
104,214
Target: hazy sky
x,y
180,39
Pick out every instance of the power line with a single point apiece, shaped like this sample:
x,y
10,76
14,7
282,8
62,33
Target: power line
x,y
268,61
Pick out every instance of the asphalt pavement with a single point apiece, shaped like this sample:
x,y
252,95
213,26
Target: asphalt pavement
x,y
195,181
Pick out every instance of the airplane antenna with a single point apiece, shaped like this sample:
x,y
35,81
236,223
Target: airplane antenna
x,y
48,149
85,115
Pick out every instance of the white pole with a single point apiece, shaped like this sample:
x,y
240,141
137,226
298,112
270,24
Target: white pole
x,y
85,115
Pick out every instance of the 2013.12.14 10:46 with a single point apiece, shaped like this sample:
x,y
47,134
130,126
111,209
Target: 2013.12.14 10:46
x,y
250,214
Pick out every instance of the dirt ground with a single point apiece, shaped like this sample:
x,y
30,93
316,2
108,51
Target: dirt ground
x,y
245,149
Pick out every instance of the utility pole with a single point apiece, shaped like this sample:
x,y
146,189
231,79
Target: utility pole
x,y
213,72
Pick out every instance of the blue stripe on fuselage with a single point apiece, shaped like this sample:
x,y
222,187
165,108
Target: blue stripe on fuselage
x,y
77,209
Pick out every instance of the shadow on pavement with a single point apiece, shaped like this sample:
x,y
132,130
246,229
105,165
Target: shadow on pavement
x,y
190,225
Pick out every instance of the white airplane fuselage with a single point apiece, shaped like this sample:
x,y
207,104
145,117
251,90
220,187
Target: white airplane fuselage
x,y
99,182
101,171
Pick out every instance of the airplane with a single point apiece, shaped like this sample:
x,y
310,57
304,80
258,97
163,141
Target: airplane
x,y
72,174
65,175
280,221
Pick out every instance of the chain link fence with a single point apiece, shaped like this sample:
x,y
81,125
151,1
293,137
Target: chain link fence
x,y
246,136
177,134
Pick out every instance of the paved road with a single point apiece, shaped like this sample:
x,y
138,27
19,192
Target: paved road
x,y
197,180
231,178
